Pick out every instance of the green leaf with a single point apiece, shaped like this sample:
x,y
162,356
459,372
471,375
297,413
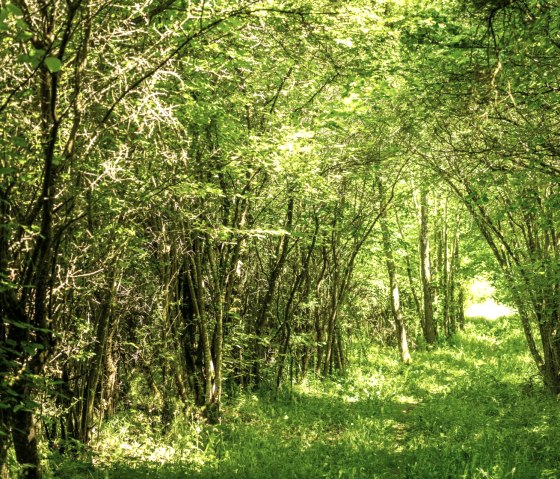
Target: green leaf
x,y
20,324
53,64
14,10
25,35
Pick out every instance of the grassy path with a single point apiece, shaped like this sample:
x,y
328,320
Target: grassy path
x,y
464,410
402,426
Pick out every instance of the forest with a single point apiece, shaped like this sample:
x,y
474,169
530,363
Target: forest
x,y
245,238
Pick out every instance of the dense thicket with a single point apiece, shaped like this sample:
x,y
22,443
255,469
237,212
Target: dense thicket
x,y
200,197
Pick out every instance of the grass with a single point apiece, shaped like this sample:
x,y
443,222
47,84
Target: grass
x,y
468,409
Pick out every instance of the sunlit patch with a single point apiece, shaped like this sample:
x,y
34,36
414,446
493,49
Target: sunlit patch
x,y
489,309
407,400
482,304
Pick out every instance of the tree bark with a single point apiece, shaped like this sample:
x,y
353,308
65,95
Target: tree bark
x,y
262,315
288,308
396,311
98,360
428,323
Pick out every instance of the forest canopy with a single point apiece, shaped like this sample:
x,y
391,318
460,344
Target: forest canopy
x,y
203,197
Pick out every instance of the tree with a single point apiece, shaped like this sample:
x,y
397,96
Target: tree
x,y
494,149
396,311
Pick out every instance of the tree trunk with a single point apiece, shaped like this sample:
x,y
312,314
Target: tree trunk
x,y
331,324
262,315
24,434
302,276
417,304
456,314
318,323
96,364
446,277
4,445
396,311
428,323
110,388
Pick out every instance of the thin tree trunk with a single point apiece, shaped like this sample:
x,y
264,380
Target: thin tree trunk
x,y
96,364
4,444
446,275
455,288
303,274
282,255
396,311
327,362
428,323
319,326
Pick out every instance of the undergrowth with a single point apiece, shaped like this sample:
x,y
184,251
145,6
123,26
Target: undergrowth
x,y
470,408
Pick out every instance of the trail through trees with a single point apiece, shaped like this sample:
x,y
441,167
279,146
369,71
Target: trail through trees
x,y
199,199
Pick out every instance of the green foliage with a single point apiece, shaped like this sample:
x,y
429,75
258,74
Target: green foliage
x,y
53,64
189,197
470,409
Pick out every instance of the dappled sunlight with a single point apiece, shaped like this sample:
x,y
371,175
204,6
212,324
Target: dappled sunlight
x,y
460,410
403,399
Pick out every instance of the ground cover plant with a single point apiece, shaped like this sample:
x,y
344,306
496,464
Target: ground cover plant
x,y
470,408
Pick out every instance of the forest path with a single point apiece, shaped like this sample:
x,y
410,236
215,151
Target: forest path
x,y
402,425
458,411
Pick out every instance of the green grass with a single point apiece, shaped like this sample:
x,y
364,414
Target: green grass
x,y
468,409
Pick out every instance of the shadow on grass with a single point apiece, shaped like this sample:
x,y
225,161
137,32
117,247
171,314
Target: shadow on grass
x,y
493,431
458,435
460,411
300,436
479,416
